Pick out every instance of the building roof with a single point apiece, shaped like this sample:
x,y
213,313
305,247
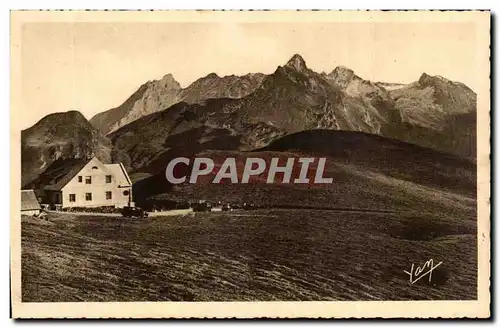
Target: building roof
x,y
120,174
29,201
59,173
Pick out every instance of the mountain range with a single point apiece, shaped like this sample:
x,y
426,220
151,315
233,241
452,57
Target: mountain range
x,y
154,96
243,113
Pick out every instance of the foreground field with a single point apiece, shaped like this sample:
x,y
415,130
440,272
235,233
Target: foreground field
x,y
246,256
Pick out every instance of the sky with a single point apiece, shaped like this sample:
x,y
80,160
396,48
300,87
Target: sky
x,y
93,67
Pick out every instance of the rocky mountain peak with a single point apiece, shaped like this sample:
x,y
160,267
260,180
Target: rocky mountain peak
x,y
425,79
68,117
430,80
60,136
169,82
342,70
296,62
341,76
212,76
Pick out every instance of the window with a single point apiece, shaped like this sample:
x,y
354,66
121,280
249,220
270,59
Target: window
x,y
108,178
72,198
80,178
88,180
126,193
94,167
88,196
108,194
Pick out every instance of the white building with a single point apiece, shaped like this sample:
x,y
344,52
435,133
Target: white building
x,y
86,183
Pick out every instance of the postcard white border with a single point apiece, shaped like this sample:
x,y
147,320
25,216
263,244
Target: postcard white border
x,y
358,309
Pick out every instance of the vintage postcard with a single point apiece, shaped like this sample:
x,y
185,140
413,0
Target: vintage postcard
x,y
244,164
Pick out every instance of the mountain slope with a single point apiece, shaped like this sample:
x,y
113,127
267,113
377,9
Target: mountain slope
x,y
431,100
60,136
437,113
296,98
292,99
213,86
151,97
159,95
388,156
368,171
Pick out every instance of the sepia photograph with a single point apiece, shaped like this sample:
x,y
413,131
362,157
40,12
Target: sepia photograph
x,y
223,164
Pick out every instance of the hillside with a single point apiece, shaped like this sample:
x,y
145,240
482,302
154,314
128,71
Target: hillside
x,y
159,95
261,255
214,86
60,136
151,97
295,98
438,112
368,171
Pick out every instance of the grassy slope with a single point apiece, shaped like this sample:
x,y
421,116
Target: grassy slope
x,y
368,172
262,255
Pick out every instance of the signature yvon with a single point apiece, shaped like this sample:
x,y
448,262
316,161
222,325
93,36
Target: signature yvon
x,y
417,273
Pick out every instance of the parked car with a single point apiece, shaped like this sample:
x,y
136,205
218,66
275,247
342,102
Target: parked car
x,y
134,212
202,206
249,206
